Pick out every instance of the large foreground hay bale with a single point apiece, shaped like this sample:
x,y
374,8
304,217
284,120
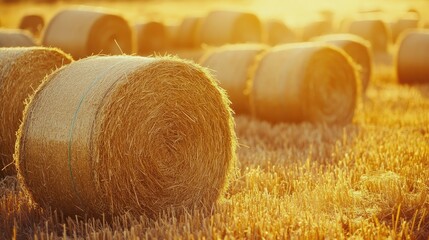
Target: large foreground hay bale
x,y
151,37
15,38
33,23
276,32
358,48
222,27
21,71
412,61
373,30
84,32
305,82
232,66
129,134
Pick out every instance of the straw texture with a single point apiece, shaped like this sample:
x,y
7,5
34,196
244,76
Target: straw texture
x,y
129,134
358,48
222,27
151,37
232,66
84,32
276,32
412,61
373,30
305,82
21,72
33,23
15,38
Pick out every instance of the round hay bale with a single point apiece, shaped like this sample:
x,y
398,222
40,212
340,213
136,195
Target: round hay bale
x,y
359,50
129,135
277,32
187,33
84,32
172,33
232,65
305,82
316,28
189,54
409,21
21,71
33,23
222,27
412,60
373,30
151,37
16,38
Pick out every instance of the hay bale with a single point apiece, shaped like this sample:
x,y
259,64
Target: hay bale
x,y
187,33
33,23
222,27
409,21
373,30
130,134
172,33
358,48
151,37
276,32
232,65
15,38
21,71
84,32
316,28
189,54
305,82
412,60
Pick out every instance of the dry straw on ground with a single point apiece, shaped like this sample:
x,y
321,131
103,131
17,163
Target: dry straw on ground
x,y
305,82
222,27
15,38
232,65
128,135
358,48
412,60
276,32
21,72
151,37
84,31
33,23
374,30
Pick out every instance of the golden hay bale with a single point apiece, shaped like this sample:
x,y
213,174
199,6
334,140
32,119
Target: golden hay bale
x,y
187,32
172,33
305,82
409,21
129,134
222,27
412,60
33,23
151,37
276,32
21,71
373,30
15,38
84,32
232,66
316,28
190,54
358,48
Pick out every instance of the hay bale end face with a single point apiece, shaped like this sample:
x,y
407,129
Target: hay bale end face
x,y
223,27
305,82
21,71
412,60
186,35
135,134
373,30
232,66
276,32
84,32
16,38
33,23
151,37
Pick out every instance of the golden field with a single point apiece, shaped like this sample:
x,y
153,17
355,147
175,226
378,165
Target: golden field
x,y
366,180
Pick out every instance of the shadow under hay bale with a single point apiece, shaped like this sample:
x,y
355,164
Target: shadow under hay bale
x,y
276,32
130,135
151,37
305,82
16,38
412,60
232,66
84,32
32,23
21,71
223,27
360,51
373,30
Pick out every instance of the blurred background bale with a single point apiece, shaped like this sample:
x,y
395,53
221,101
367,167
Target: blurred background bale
x,y
16,38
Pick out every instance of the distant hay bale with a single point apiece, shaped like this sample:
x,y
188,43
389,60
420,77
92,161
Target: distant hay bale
x,y
409,21
129,135
276,32
151,37
189,54
373,30
21,71
232,66
305,82
16,38
358,48
223,27
84,32
316,28
186,36
172,32
412,60
33,23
